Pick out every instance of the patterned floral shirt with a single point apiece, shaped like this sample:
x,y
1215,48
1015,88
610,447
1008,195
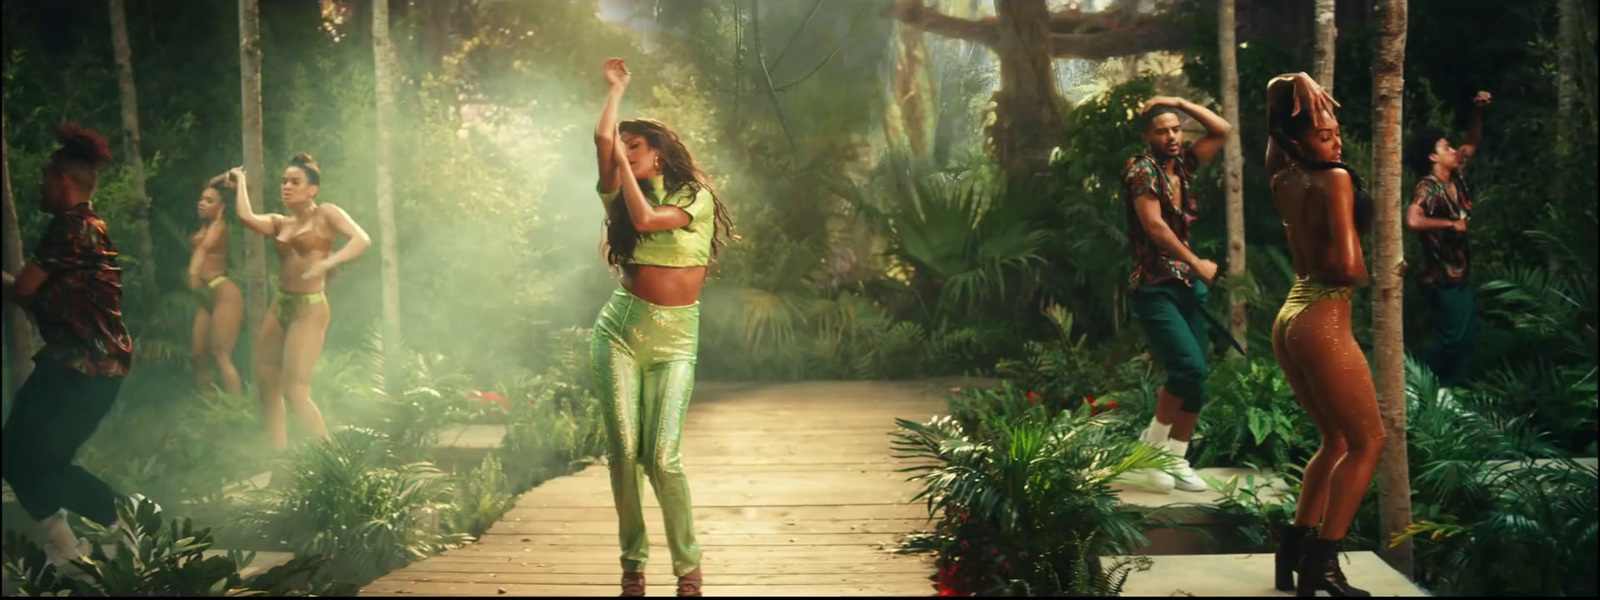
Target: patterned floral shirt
x,y
1445,252
1143,175
78,309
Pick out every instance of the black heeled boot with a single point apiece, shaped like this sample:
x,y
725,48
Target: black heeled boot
x,y
1291,543
1319,570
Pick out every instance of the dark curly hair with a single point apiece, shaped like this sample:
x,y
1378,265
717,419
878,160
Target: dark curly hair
x,y
679,171
1150,114
1421,144
83,151
1285,128
225,187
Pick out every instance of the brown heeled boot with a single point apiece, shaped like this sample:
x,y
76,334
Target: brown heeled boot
x,y
632,585
689,584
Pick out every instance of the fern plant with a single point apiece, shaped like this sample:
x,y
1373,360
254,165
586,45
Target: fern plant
x,y
149,559
350,499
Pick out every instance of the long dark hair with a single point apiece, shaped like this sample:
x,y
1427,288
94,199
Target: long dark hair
x,y
679,171
1286,128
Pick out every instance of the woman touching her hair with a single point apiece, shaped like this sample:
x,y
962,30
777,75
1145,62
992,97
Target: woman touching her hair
x,y
1324,210
662,220
216,324
292,334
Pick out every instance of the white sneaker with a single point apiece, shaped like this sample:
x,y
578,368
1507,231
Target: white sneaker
x,y
1156,479
1184,477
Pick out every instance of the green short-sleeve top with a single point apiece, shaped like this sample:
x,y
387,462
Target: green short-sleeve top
x,y
687,246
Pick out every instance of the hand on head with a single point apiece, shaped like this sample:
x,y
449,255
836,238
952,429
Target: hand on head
x,y
1173,101
1309,95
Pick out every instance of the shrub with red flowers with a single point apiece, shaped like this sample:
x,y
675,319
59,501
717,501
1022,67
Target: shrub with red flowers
x,y
490,401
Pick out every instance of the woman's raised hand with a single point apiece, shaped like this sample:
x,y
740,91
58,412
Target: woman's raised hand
x,y
617,72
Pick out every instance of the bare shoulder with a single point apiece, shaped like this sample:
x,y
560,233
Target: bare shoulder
x,y
332,211
1335,183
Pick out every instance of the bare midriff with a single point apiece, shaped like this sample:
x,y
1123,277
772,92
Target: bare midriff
x,y
664,286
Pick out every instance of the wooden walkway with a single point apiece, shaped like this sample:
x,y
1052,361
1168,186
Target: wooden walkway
x,y
795,494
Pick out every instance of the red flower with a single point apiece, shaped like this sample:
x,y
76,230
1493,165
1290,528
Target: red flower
x,y
1088,400
1113,404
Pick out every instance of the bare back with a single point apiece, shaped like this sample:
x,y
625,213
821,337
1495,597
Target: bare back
x,y
1305,206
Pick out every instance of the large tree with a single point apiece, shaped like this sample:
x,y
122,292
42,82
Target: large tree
x,y
19,331
255,250
1027,36
1394,475
383,61
145,271
1233,170
1326,43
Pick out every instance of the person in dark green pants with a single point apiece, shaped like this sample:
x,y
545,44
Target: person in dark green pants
x,y
1441,205
1169,282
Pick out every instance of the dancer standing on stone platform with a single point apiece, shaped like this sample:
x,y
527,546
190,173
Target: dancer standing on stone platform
x,y
1324,210
1169,282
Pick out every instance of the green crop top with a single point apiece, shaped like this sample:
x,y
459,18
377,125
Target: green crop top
x,y
687,246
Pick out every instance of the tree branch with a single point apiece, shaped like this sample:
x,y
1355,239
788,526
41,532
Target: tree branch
x,y
917,14
1151,36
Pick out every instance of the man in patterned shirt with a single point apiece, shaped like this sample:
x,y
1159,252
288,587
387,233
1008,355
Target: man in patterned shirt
x,y
72,289
1440,207
1169,282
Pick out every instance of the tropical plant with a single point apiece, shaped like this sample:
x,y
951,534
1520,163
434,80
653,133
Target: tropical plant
x,y
1253,417
147,559
349,499
1026,507
482,495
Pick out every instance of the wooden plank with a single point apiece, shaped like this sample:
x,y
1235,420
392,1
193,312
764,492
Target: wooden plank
x,y
602,498
711,588
741,554
702,513
707,540
717,527
796,493
443,564
722,579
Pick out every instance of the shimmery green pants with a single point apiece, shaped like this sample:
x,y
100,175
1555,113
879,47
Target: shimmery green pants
x,y
643,357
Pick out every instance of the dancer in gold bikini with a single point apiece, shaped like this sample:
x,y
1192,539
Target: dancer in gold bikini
x,y
661,223
216,324
1324,211
291,336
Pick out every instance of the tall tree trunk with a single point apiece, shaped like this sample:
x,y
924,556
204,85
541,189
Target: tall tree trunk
x,y
19,331
255,250
915,106
1026,37
1027,124
1233,164
383,61
1394,479
1567,43
1327,44
145,268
